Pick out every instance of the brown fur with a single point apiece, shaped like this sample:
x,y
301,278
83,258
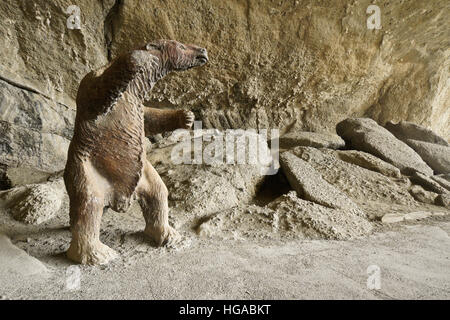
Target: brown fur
x,y
106,165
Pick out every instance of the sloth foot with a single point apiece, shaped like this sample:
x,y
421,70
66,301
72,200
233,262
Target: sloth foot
x,y
162,235
91,254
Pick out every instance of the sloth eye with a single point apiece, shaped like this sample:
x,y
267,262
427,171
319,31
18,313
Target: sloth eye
x,y
182,47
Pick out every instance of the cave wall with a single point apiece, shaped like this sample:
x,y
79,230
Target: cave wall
x,y
306,64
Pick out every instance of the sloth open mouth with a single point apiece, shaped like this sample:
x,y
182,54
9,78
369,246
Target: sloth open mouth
x,y
202,59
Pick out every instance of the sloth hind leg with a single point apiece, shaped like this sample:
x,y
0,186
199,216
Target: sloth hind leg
x,y
86,209
153,199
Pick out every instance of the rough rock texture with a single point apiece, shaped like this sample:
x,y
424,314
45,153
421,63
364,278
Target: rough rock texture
x,y
311,139
35,130
18,176
442,181
405,130
325,222
36,203
368,161
359,184
272,63
435,155
310,185
428,183
366,135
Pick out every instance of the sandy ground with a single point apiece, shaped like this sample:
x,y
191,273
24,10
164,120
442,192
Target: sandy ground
x,y
413,257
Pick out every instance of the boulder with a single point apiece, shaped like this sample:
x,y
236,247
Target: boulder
x,y
311,139
365,134
435,155
405,130
422,195
370,162
310,185
321,221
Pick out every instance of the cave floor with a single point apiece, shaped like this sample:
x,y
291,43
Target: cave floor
x,y
413,257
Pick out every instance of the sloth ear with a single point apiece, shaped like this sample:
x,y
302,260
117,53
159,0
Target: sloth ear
x,y
152,46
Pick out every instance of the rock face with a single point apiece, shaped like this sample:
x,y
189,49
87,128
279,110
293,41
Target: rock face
x,y
206,188
368,161
405,130
311,139
428,183
435,155
366,135
272,64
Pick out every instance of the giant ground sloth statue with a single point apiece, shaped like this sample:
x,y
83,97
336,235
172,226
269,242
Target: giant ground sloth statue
x,y
106,164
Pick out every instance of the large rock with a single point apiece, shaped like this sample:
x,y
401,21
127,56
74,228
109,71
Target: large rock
x,y
366,135
321,221
310,185
405,130
311,139
435,155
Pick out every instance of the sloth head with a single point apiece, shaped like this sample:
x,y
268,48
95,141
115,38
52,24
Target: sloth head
x,y
175,56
